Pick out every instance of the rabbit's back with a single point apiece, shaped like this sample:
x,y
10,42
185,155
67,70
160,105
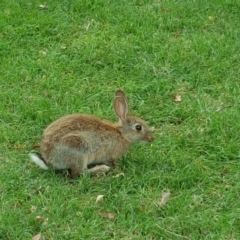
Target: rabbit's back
x,y
97,140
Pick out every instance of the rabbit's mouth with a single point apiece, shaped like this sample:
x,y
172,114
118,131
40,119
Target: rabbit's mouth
x,y
148,137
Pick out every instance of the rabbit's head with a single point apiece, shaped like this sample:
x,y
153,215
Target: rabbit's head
x,y
133,129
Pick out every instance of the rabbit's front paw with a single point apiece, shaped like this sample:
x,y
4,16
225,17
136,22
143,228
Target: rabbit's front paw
x,y
99,169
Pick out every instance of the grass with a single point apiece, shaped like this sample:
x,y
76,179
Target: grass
x,y
60,58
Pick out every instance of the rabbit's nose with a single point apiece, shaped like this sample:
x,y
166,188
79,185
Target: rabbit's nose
x,y
149,137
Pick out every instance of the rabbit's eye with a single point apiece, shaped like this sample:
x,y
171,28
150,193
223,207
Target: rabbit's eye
x,y
138,127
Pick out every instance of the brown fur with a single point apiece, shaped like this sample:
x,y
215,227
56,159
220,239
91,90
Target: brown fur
x,y
75,141
71,131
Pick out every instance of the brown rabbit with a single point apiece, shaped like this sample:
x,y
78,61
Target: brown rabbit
x,y
78,141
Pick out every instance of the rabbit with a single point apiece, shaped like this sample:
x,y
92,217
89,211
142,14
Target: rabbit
x,y
76,142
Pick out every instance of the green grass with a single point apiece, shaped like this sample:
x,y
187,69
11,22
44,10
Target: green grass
x,y
70,56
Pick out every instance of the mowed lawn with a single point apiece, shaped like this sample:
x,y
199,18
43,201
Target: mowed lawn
x,y
179,64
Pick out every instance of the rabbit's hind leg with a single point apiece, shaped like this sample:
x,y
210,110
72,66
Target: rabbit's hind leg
x,y
64,157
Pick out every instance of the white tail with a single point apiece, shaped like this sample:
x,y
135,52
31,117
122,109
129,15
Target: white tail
x,y
36,159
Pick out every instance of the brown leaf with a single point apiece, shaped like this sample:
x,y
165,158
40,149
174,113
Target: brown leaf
x,y
108,215
33,209
43,6
164,198
99,198
119,175
42,220
44,53
37,237
178,98
45,94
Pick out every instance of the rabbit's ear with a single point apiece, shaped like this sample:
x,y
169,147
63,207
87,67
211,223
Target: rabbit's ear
x,y
120,93
120,105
